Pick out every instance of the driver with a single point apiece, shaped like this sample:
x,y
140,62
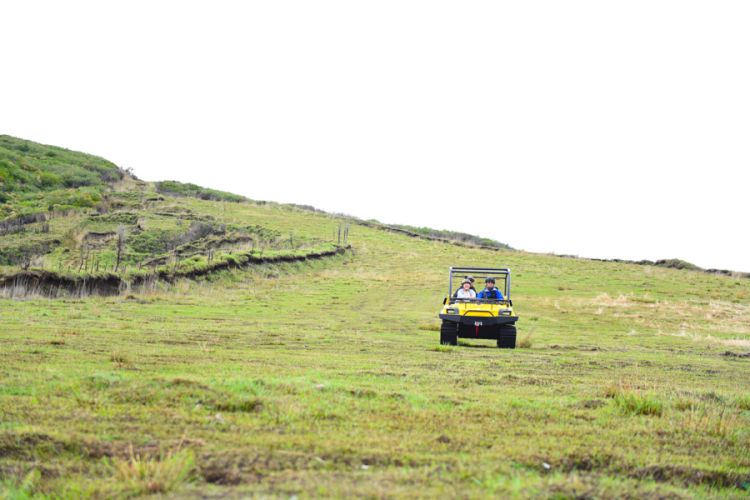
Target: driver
x,y
490,292
466,291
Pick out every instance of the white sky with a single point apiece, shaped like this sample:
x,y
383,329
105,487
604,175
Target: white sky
x,y
604,129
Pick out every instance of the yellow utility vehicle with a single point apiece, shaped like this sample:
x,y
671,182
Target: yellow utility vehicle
x,y
478,317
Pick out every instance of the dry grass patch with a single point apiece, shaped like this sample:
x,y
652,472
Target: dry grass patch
x,y
120,360
710,339
525,342
147,476
712,420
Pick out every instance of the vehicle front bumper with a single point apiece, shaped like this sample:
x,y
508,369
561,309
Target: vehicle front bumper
x,y
482,320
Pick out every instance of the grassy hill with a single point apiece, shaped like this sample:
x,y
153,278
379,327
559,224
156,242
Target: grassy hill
x,y
80,218
324,377
36,177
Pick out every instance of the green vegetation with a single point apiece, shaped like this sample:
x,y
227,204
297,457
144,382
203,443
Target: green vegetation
x,y
114,223
325,377
631,402
139,476
175,188
35,177
439,234
677,264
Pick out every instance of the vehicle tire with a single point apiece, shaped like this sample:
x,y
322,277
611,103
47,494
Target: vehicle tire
x,y
449,333
506,337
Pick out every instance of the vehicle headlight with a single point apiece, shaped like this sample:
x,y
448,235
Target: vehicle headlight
x,y
451,310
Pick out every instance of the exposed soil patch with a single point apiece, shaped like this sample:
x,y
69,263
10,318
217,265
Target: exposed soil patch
x,y
246,260
236,467
690,476
592,403
17,223
731,354
23,254
52,284
665,473
38,445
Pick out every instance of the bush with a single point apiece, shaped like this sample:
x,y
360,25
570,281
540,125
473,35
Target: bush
x,y
152,242
453,236
676,264
79,178
49,180
105,172
26,167
70,198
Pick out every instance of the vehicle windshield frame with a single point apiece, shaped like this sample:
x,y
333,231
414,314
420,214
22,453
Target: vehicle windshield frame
x,y
501,275
455,300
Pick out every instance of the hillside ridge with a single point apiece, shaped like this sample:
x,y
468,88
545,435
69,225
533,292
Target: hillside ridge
x,y
41,185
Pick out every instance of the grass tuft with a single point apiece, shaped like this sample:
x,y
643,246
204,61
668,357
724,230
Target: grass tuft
x,y
711,420
120,360
683,404
633,403
444,348
20,490
241,406
148,476
525,341
743,402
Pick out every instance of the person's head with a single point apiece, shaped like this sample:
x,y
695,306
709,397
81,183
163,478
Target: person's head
x,y
470,279
489,283
466,284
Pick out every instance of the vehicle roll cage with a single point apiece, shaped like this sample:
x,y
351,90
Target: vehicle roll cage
x,y
480,273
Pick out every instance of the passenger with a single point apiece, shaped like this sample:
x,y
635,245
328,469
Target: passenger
x,y
490,292
465,292
470,279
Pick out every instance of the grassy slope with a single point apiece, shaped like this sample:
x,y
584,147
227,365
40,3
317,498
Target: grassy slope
x,y
327,379
161,232
36,177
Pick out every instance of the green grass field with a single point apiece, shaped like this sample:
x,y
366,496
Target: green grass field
x,y
326,378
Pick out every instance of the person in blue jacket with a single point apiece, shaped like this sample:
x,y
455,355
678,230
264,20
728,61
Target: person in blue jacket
x,y
490,292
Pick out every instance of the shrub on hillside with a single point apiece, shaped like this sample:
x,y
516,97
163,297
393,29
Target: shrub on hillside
x,y
27,166
175,188
49,180
63,199
453,236
677,264
152,242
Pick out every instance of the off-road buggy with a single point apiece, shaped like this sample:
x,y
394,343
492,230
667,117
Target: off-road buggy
x,y
478,318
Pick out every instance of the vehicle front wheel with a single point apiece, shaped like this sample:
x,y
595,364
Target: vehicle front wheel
x,y
506,337
449,333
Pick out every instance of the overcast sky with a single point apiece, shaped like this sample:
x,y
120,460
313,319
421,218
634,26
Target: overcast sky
x,y
603,129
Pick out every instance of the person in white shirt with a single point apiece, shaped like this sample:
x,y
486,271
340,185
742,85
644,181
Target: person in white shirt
x,y
466,292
